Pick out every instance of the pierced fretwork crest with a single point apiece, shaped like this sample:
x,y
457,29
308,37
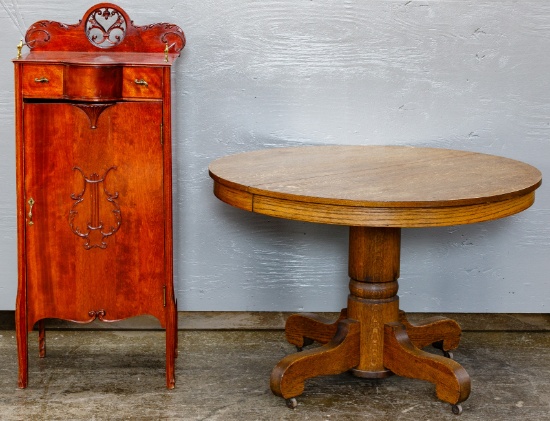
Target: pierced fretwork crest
x,y
105,27
94,230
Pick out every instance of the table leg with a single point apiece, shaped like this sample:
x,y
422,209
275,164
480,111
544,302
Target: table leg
x,y
372,338
452,383
337,356
305,328
441,332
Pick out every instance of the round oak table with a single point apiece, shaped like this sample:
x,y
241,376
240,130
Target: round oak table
x,y
376,191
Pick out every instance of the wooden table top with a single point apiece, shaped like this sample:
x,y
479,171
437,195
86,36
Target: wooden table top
x,y
387,186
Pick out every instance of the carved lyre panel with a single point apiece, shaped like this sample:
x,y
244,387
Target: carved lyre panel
x,y
92,228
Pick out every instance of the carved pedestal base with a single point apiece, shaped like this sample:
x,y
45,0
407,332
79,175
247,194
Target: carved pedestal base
x,y
372,338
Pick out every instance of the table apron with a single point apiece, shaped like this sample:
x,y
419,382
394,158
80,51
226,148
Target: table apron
x,y
388,216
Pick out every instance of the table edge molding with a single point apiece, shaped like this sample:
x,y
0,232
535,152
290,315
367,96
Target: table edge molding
x,y
379,216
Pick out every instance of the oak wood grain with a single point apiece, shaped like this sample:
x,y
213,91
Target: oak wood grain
x,y
305,328
337,356
403,358
392,186
433,330
376,190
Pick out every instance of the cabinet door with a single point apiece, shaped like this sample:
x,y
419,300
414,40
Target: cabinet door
x,y
95,242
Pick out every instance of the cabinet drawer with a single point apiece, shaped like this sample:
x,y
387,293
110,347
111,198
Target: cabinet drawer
x,y
142,82
42,81
93,83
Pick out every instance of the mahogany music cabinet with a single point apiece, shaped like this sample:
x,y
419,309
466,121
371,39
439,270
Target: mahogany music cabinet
x,y
94,175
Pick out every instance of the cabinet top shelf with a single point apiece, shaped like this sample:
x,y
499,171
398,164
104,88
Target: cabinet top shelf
x,y
102,58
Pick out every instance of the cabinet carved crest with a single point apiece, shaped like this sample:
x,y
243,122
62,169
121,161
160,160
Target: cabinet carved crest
x,y
105,26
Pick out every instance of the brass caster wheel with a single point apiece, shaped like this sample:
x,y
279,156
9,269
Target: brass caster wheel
x,y
439,345
292,403
448,354
456,409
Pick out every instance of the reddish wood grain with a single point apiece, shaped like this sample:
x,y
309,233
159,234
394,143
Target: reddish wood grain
x,y
65,280
55,36
93,136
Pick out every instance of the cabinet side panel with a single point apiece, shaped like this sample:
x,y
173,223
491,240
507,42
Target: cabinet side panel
x,y
21,319
168,202
19,168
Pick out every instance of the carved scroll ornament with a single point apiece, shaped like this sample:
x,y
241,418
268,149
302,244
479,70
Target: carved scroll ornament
x,y
105,26
94,231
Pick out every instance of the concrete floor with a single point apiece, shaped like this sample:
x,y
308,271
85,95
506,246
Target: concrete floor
x,y
224,375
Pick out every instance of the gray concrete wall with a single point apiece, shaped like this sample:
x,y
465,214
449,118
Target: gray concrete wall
x,y
462,74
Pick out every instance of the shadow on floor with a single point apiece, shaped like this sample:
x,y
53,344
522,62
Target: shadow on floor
x,y
224,375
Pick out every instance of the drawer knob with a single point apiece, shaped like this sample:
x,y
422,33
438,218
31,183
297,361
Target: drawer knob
x,y
41,80
141,82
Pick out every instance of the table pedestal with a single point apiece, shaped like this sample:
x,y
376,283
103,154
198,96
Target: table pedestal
x,y
372,338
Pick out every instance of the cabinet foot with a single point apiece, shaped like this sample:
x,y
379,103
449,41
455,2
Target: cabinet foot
x,y
41,338
171,348
23,359
21,337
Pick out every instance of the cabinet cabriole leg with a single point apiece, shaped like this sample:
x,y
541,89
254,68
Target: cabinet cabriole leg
x,y
171,344
21,333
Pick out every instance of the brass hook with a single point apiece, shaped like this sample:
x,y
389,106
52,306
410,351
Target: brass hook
x,y
31,204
